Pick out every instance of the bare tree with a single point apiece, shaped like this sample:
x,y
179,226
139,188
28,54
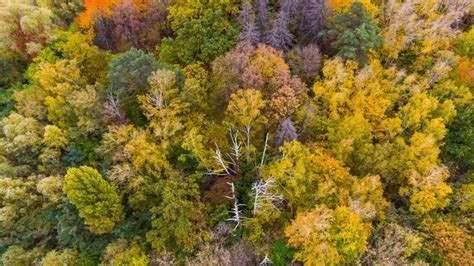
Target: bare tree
x,y
236,212
264,195
111,111
266,261
232,165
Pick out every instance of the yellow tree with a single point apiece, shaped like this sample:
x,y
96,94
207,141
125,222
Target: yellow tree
x,y
328,237
98,203
244,114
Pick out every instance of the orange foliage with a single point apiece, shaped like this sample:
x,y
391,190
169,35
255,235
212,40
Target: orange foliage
x,y
93,6
464,73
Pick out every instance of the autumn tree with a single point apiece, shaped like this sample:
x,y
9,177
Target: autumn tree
x,y
262,68
93,7
162,105
25,31
65,11
98,203
61,257
125,252
325,236
305,61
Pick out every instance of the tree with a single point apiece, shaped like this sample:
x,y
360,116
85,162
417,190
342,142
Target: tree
x,y
429,192
23,213
248,27
61,257
391,243
162,105
306,178
324,236
286,132
352,35
305,61
65,11
128,78
262,68
25,31
104,33
16,255
91,8
280,36
123,252
69,101
139,25
244,113
459,144
98,203
313,19
447,242
177,220
21,139
200,39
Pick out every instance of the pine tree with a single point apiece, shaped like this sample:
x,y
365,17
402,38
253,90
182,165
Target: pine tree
x,y
249,30
280,36
263,16
286,132
313,19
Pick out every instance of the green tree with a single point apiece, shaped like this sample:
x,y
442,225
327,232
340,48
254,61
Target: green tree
x,y
128,78
199,39
177,220
98,203
459,145
353,34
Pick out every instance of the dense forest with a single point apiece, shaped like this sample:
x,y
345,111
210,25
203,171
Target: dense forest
x,y
236,132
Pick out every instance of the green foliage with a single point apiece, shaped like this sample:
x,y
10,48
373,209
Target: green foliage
x,y
199,39
280,253
128,78
353,34
177,221
71,232
96,200
459,140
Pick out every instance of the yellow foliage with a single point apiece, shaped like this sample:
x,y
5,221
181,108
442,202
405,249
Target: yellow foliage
x,y
343,5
